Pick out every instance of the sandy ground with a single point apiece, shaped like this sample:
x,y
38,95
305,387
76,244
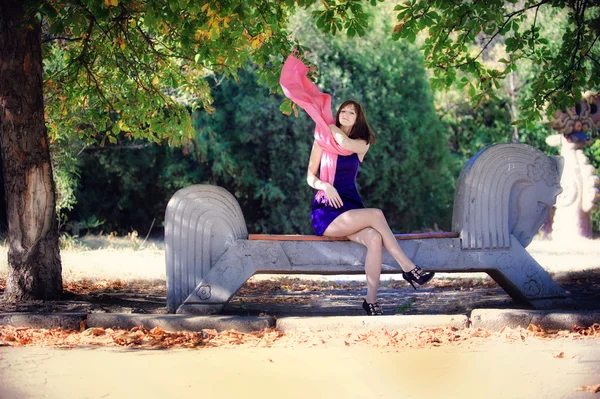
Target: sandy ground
x,y
484,368
487,369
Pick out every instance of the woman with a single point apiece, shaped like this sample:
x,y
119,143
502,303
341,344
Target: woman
x,y
340,211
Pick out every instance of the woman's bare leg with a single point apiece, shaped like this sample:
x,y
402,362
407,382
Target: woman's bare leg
x,y
371,239
355,220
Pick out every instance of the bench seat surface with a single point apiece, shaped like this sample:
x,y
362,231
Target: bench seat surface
x,y
299,237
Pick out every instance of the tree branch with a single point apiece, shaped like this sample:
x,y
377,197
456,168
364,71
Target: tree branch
x,y
593,59
521,11
509,17
49,39
533,29
87,36
118,147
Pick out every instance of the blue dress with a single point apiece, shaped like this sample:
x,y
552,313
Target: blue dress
x,y
345,183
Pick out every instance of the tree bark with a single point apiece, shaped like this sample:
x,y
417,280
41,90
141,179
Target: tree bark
x,y
34,267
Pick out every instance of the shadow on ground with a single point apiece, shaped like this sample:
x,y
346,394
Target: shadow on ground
x,y
293,296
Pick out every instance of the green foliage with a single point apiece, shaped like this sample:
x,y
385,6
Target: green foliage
x,y
249,147
123,187
407,172
134,67
258,154
454,28
246,146
120,72
66,177
131,67
116,71
593,154
471,130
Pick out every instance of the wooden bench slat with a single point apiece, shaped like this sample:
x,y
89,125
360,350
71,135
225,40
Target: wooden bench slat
x,y
298,237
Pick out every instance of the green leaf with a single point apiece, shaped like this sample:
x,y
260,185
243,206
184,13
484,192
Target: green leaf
x,y
360,30
286,107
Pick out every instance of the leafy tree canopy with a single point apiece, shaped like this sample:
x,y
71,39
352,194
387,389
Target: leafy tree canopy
x,y
459,33
137,67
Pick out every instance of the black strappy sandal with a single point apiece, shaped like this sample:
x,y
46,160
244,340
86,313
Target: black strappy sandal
x,y
372,309
418,275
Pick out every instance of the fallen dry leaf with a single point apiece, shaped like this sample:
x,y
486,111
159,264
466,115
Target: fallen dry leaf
x,y
137,337
141,337
100,286
590,388
592,330
561,355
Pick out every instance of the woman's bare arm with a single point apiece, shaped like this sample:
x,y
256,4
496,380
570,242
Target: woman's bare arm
x,y
318,184
355,145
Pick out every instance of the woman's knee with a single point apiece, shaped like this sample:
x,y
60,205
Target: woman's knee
x,y
373,239
377,213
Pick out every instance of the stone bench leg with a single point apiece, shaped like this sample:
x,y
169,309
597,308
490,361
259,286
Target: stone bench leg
x,y
513,268
201,223
231,271
525,280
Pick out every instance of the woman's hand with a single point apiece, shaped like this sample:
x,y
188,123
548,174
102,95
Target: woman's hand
x,y
333,197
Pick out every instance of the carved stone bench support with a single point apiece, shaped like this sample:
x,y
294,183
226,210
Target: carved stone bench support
x,y
514,270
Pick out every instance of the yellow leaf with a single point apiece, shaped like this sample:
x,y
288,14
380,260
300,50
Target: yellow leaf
x,y
155,81
111,3
123,126
256,43
120,42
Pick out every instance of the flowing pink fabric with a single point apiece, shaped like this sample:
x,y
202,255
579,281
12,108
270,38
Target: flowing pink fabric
x,y
305,94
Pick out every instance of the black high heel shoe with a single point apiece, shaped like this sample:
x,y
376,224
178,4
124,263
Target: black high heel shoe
x,y
372,309
418,275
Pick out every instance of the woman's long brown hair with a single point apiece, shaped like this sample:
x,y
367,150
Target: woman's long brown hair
x,y
361,129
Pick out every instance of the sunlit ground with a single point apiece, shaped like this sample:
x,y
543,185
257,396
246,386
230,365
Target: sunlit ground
x,y
423,363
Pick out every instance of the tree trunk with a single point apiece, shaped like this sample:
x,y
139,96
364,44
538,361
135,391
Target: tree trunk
x,y
34,268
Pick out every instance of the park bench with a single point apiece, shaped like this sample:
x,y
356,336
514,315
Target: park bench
x,y
502,197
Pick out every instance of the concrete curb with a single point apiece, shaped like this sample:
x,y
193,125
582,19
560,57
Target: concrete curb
x,y
180,322
490,319
366,323
496,319
65,321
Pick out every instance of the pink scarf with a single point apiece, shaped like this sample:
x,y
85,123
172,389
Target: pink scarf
x,y
304,93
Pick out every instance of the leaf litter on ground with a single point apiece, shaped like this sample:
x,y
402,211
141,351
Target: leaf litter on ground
x,y
157,338
589,388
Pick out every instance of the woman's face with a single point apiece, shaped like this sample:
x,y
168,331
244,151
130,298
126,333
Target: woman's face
x,y
348,116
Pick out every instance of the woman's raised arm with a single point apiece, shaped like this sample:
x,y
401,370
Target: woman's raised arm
x,y
358,146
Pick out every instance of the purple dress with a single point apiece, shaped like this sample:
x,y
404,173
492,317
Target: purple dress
x,y
345,183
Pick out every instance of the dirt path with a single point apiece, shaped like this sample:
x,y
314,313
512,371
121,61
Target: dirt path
x,y
485,369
